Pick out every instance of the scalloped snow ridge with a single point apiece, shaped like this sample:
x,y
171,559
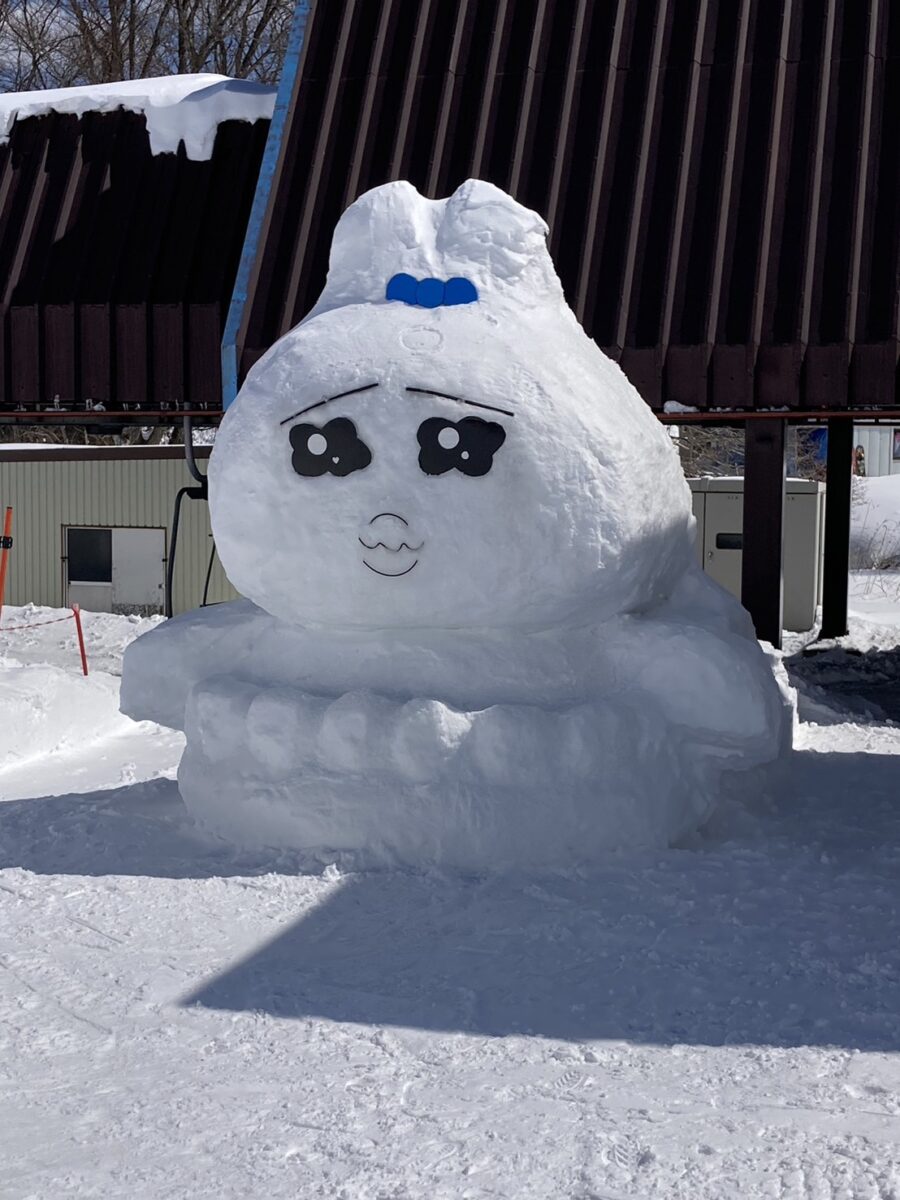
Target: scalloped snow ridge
x,y
177,108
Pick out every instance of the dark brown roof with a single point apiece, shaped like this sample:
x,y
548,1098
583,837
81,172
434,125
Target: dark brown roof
x,y
721,177
116,266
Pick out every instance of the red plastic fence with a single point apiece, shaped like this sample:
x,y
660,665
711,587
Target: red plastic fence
x,y
74,615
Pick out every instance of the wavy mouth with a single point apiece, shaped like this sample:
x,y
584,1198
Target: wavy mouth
x,y
385,553
392,549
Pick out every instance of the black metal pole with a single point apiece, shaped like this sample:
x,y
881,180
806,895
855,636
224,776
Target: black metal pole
x,y
173,546
189,451
836,570
761,575
194,493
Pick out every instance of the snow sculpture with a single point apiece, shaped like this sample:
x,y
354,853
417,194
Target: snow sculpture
x,y
475,633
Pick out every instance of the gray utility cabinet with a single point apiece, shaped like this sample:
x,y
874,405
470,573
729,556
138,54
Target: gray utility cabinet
x,y
719,509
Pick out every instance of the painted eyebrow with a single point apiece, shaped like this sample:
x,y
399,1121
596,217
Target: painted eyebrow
x,y
367,387
459,400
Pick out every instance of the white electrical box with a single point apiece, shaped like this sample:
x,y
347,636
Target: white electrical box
x,y
719,509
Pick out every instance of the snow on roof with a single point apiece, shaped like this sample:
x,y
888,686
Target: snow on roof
x,y
177,108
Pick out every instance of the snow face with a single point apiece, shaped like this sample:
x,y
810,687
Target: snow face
x,y
475,634
177,108
478,465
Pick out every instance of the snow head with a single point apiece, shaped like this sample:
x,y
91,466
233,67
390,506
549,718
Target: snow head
x,y
439,444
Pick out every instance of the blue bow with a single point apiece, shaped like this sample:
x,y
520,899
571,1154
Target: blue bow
x,y
431,293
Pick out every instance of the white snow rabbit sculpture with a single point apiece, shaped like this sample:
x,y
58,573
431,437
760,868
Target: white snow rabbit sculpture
x,y
474,631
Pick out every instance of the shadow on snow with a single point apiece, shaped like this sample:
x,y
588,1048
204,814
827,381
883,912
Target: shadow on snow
x,y
783,936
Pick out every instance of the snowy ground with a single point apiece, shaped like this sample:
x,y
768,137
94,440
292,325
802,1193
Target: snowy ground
x,y
720,1021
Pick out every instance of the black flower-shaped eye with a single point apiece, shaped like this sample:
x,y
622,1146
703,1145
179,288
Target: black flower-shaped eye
x,y
468,445
335,449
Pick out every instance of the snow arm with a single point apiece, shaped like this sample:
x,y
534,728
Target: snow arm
x,y
163,666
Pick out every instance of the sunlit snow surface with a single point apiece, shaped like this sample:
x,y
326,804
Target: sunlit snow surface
x,y
706,1023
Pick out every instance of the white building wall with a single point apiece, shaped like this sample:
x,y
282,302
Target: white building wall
x,y
877,441
53,489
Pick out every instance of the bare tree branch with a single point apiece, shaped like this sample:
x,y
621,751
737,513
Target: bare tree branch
x,y
58,43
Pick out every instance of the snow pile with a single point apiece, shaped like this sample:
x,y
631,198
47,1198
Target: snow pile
x,y
875,600
476,634
177,108
47,705
45,708
875,522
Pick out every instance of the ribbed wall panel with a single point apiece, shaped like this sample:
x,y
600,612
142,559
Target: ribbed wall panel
x,y
721,177
52,489
116,266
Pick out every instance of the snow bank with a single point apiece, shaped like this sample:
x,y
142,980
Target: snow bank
x,y
45,709
177,108
476,635
875,522
47,706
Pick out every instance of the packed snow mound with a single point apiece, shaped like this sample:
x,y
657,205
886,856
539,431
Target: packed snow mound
x,y
461,748
476,635
177,108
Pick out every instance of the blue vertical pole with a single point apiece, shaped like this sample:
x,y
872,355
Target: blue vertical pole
x,y
260,202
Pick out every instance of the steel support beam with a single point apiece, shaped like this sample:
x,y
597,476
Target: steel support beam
x,y
761,576
836,570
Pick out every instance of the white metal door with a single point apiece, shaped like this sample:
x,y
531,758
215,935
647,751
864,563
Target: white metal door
x,y
92,597
802,558
723,539
138,569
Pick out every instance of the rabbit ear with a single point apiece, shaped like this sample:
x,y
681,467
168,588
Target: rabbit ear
x,y
493,240
387,231
479,234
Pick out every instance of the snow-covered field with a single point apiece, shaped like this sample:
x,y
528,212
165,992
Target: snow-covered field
x,y
717,1021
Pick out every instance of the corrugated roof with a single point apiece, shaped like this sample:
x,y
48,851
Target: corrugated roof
x,y
721,177
116,265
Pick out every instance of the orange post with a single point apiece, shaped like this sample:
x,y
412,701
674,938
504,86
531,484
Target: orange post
x,y
5,547
76,613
